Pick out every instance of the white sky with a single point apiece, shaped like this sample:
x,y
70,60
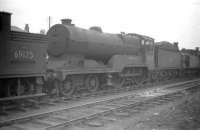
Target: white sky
x,y
169,20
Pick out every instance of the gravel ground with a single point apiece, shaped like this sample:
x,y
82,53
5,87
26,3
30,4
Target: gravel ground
x,y
183,114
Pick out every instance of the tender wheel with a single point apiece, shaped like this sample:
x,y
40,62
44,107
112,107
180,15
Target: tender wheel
x,y
126,82
12,89
26,87
92,83
18,87
138,81
153,76
68,88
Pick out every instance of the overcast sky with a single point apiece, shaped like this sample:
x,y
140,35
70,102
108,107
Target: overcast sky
x,y
164,20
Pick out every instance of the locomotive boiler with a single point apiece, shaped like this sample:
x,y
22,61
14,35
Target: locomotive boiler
x,y
65,38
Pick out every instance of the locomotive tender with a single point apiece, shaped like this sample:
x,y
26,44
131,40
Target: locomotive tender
x,y
84,59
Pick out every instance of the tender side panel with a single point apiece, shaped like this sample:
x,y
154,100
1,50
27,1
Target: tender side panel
x,y
167,58
24,54
194,61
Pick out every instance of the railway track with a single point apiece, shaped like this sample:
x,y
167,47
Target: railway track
x,y
22,104
100,111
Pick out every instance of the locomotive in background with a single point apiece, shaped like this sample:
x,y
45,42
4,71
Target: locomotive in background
x,y
85,59
22,60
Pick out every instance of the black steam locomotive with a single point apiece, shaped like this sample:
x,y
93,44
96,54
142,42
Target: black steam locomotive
x,y
85,59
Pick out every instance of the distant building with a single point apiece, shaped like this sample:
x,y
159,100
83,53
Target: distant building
x,y
15,28
18,29
42,31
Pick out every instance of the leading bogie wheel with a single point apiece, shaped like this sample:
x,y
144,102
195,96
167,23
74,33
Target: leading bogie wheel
x,y
68,88
92,83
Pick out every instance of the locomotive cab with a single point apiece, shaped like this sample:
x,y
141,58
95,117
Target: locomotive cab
x,y
147,44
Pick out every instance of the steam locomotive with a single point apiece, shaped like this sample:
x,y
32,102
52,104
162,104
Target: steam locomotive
x,y
85,59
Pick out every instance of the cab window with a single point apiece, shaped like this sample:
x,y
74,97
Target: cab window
x,y
143,42
149,45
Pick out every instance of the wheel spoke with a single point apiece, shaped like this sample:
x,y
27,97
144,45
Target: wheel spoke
x,y
92,83
68,88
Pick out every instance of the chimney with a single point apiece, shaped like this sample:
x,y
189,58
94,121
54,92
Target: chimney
x,y
66,21
176,44
197,49
5,27
5,22
26,28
